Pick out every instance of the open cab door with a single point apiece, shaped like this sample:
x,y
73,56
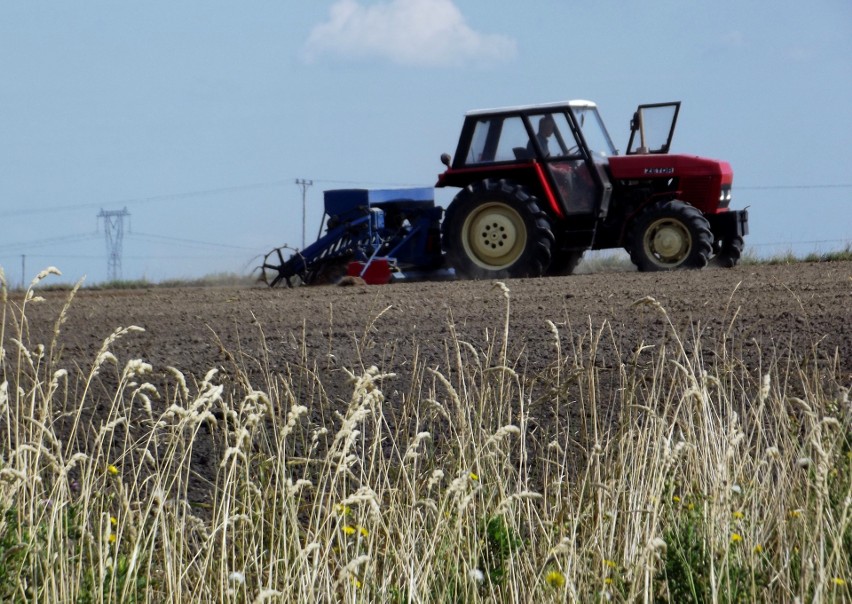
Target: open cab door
x,y
652,127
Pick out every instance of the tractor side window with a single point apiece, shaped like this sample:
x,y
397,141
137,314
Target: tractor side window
x,y
498,139
554,135
514,136
476,153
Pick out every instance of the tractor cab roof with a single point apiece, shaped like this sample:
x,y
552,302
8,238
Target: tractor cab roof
x,y
575,104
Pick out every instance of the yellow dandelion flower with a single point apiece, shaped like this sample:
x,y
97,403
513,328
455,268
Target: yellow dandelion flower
x,y
690,506
736,538
794,513
111,538
112,470
758,549
113,520
341,509
555,579
676,499
356,583
608,580
474,476
610,563
364,532
349,530
839,581
738,515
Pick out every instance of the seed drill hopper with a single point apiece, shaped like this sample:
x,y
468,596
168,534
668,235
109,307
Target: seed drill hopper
x,y
369,233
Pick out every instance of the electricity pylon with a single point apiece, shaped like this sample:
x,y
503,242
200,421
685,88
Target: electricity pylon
x,y
114,232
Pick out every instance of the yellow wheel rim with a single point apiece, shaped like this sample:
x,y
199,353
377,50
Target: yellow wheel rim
x,y
494,236
667,242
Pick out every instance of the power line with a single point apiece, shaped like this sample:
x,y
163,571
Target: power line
x,y
190,194
166,239
149,199
777,187
48,241
814,242
15,247
280,183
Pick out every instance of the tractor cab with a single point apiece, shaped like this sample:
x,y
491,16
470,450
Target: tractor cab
x,y
563,146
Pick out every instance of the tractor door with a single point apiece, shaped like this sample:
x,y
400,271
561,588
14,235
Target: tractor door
x,y
652,128
565,162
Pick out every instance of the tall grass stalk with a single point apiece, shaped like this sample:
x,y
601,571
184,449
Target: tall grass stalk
x,y
663,475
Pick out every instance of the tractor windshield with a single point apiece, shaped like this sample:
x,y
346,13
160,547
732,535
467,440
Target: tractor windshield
x,y
597,138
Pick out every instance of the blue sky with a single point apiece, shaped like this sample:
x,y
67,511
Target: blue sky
x,y
198,116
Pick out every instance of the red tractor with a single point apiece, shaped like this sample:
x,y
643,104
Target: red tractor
x,y
541,184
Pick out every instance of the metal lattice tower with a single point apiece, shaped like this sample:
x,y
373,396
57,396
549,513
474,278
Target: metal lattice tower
x,y
114,232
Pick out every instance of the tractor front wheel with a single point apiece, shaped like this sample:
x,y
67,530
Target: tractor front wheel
x,y
728,252
670,235
494,229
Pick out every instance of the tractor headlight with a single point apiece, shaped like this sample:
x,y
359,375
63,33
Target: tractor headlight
x,y
725,197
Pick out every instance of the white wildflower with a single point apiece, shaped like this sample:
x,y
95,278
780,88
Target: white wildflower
x,y
502,433
267,594
50,270
437,476
502,287
764,388
657,544
412,452
136,367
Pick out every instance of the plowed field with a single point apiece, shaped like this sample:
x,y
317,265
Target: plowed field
x,y
759,315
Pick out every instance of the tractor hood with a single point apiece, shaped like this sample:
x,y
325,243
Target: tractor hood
x,y
643,167
704,183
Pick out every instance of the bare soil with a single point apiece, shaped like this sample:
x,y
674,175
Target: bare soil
x,y
756,314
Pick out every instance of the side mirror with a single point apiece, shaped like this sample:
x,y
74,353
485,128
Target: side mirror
x,y
445,159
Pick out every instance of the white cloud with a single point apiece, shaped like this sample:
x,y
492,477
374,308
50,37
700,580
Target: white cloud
x,y
407,32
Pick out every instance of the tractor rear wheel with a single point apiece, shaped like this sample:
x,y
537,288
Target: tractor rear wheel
x,y
495,229
670,235
729,252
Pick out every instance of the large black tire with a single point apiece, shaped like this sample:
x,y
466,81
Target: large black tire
x,y
495,229
670,235
564,262
729,252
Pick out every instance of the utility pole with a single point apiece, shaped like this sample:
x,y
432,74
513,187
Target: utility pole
x,y
304,184
114,232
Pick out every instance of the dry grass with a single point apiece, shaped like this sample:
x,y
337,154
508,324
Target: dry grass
x,y
716,482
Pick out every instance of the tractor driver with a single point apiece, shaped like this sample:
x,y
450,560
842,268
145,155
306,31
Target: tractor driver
x,y
546,126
